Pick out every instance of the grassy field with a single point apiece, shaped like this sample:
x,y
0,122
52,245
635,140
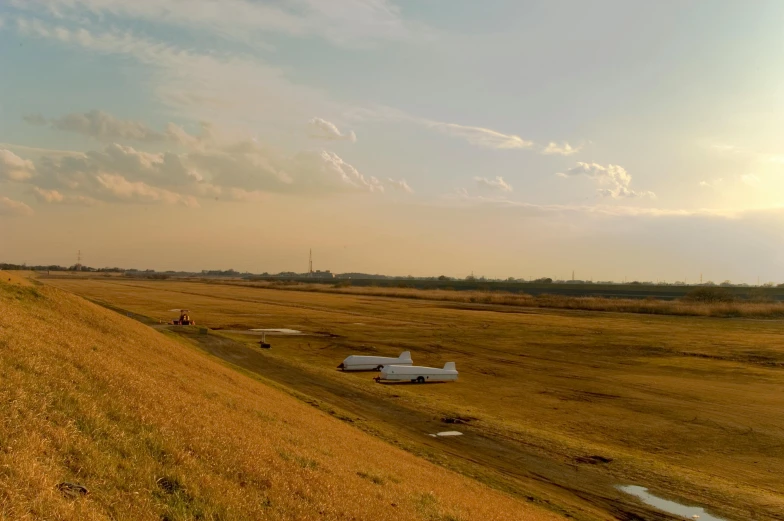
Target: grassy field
x,y
156,430
759,306
692,407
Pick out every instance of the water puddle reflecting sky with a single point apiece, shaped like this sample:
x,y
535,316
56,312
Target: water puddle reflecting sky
x,y
668,506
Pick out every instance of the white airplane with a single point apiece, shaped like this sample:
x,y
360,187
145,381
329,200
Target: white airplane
x,y
418,374
374,363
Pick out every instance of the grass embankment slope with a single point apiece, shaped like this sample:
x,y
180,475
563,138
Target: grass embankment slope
x,y
689,406
157,430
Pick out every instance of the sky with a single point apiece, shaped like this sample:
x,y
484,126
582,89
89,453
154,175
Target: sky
x,y
505,138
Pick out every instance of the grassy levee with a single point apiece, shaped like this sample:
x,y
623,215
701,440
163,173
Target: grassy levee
x,y
688,406
159,431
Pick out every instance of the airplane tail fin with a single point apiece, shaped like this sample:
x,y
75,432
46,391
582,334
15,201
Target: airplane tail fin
x,y
405,355
450,366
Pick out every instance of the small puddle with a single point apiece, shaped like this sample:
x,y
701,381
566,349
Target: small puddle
x,y
671,507
280,331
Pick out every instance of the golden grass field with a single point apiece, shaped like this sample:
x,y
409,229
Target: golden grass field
x,y
761,308
156,430
692,407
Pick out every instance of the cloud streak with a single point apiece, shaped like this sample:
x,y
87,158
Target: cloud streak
x,y
201,86
461,197
346,23
477,136
482,137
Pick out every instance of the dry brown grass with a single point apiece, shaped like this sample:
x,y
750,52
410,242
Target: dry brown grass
x,y
156,430
690,406
18,278
653,306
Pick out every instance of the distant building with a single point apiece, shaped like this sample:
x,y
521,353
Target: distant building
x,y
318,274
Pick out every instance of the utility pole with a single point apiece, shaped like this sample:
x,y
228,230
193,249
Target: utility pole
x,y
310,263
572,275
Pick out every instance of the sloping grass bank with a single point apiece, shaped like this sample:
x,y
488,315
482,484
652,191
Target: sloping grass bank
x,y
155,430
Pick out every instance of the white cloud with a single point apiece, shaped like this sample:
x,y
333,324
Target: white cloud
x,y
14,168
11,207
323,129
497,184
482,137
462,197
614,177
564,149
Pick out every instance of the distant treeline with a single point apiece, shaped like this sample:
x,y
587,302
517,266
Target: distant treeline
x,y
567,289
54,267
541,286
